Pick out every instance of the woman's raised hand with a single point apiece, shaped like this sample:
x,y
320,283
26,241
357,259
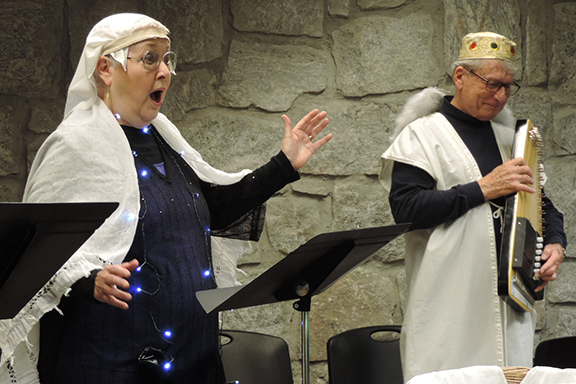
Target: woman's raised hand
x,y
298,145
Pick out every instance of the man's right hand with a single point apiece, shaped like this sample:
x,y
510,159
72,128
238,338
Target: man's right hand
x,y
512,176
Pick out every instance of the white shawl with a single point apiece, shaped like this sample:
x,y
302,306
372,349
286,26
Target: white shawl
x,y
88,159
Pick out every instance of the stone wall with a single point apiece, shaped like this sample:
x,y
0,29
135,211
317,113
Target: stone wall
x,y
244,63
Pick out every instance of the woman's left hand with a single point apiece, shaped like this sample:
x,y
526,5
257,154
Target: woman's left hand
x,y
297,144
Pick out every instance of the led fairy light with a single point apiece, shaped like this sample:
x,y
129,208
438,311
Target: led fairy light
x,y
196,195
138,288
129,216
158,357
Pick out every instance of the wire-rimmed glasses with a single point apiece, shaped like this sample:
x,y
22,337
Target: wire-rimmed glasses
x,y
152,60
494,86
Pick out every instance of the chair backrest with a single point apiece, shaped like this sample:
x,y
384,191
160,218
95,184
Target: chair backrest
x,y
255,358
557,353
356,357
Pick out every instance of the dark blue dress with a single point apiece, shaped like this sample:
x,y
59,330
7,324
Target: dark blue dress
x,y
165,336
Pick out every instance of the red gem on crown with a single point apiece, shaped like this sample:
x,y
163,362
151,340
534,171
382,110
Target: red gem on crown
x,y
473,45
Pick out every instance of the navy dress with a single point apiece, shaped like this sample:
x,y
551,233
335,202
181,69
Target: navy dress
x,y
165,336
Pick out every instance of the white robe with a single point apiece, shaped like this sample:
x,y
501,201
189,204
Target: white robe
x,y
454,317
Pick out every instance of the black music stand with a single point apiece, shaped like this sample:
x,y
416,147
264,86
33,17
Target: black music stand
x,y
307,271
36,239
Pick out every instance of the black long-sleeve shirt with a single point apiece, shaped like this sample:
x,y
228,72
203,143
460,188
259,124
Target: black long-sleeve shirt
x,y
413,197
226,203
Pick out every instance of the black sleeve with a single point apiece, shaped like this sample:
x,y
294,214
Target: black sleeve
x,y
227,203
553,223
84,288
414,199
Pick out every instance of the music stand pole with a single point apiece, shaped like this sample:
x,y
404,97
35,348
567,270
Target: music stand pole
x,y
305,315
303,306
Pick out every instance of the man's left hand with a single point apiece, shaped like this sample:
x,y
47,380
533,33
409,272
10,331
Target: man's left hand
x,y
552,256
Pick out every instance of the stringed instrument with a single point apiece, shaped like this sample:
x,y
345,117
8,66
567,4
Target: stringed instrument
x,y
522,230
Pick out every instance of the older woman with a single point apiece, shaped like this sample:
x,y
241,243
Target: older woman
x,y
130,312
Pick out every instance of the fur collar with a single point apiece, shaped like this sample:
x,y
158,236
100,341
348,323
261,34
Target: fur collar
x,y
430,100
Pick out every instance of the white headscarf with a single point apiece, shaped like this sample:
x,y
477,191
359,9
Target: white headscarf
x,y
110,35
57,175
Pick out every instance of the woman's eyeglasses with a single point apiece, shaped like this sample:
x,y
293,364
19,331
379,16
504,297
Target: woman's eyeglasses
x,y
152,60
494,86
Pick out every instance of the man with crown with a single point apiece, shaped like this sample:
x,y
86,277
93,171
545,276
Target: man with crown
x,y
448,172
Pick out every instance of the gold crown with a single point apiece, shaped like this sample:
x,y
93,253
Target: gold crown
x,y
487,45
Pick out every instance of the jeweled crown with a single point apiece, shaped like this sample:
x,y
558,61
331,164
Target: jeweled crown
x,y
487,45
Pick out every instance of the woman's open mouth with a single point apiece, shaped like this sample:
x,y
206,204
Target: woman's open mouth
x,y
156,97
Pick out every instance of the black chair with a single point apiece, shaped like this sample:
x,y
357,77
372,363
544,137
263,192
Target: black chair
x,y
356,357
255,358
557,353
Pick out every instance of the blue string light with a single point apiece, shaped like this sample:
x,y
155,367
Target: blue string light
x,y
166,361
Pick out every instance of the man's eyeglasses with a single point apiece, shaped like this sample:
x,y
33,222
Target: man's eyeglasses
x,y
152,59
494,86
